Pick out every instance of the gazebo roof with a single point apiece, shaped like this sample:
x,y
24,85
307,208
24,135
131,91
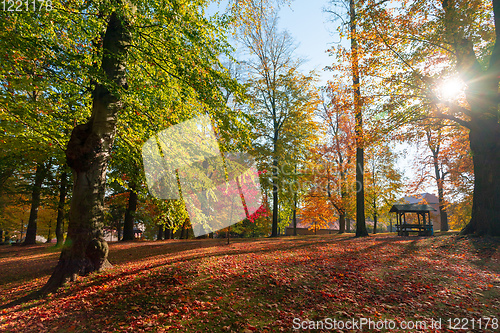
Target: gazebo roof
x,y
411,208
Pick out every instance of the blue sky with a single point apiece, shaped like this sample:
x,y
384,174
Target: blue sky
x,y
313,30
310,28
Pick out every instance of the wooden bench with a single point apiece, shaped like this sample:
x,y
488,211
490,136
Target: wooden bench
x,y
422,229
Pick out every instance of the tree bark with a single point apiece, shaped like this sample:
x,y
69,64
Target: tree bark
x,y
160,235
183,228
49,237
88,153
484,138
440,175
35,204
128,224
60,208
274,228
360,189
443,215
342,223
119,235
294,218
484,127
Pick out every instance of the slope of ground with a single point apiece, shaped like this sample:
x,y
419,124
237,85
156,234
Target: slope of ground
x,y
264,285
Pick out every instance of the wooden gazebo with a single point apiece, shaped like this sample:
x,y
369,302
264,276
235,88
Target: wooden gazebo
x,y
424,226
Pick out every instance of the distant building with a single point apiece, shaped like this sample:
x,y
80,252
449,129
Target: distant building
x,y
429,199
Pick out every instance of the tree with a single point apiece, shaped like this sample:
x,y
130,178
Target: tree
x,y
444,162
63,191
353,8
338,152
40,174
461,38
316,212
87,153
191,64
384,180
360,186
281,97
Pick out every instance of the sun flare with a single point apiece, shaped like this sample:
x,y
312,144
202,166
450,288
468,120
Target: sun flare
x,y
451,89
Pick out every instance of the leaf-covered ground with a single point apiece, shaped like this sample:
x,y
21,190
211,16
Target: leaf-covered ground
x,y
260,285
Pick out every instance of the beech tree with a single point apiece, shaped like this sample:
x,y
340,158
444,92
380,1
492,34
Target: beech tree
x,y
40,174
426,44
443,162
338,153
354,11
105,54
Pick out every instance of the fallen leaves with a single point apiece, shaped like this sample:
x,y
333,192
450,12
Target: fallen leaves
x,y
262,285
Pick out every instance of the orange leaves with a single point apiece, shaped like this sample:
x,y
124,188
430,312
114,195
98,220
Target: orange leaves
x,y
317,212
261,285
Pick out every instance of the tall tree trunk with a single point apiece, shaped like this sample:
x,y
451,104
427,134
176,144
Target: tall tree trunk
x,y
1,236
88,153
484,138
443,215
160,235
35,204
128,224
342,223
183,228
274,229
294,217
440,175
484,126
360,188
119,233
49,237
60,208
375,223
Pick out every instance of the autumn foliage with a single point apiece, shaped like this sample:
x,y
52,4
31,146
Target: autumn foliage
x,y
258,285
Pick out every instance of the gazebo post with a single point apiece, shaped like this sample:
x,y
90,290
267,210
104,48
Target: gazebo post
x,y
399,215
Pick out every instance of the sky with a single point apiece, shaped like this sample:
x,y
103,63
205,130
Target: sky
x,y
310,28
313,31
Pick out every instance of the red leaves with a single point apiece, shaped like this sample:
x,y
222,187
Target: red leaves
x,y
256,285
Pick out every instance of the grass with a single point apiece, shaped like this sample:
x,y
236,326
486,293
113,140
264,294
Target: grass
x,y
259,285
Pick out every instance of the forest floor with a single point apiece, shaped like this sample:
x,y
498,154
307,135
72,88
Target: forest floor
x,y
265,285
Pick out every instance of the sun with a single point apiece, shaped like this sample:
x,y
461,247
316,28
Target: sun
x,y
451,89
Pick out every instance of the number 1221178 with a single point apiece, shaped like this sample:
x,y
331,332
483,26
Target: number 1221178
x,y
26,5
